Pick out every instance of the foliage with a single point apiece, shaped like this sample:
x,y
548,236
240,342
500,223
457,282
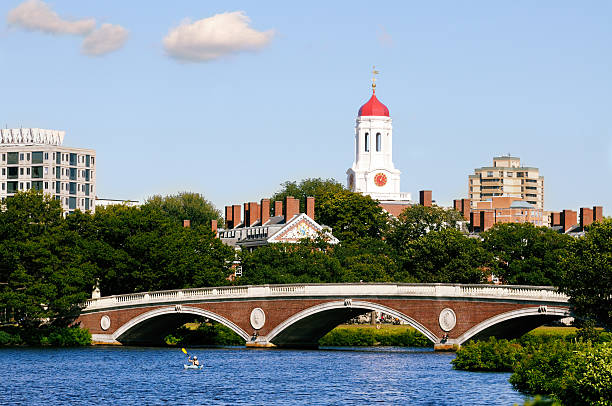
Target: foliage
x,y
352,216
310,187
45,336
491,355
67,337
357,336
525,254
540,401
416,221
445,256
588,274
186,206
205,334
8,339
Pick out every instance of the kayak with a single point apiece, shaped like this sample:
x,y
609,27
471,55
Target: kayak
x,y
193,366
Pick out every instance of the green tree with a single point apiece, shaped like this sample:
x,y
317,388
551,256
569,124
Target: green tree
x,y
352,216
525,254
445,256
416,221
45,272
186,206
310,187
587,278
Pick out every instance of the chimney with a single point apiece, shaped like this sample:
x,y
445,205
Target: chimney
x,y
425,198
465,208
253,213
186,223
568,219
213,226
278,208
310,207
555,219
586,217
236,215
487,220
229,223
292,207
597,213
264,211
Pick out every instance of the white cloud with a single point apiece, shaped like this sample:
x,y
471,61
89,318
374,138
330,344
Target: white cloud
x,y
36,15
107,38
214,37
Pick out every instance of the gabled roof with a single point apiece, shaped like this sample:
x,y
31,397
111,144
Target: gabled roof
x,y
300,227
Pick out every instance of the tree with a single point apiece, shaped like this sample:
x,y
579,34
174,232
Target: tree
x,y
587,278
45,273
352,216
310,187
445,256
416,221
186,206
526,254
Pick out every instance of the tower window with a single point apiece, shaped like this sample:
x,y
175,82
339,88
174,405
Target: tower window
x,y
367,142
378,142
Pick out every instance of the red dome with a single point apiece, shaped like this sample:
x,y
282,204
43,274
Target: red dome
x,y
373,108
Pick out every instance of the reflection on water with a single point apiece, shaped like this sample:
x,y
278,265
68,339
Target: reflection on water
x,y
347,376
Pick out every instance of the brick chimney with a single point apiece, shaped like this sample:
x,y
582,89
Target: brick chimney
x,y
236,215
555,219
597,213
569,218
253,213
586,216
487,220
425,198
213,226
264,210
186,223
465,208
291,208
229,223
310,207
278,208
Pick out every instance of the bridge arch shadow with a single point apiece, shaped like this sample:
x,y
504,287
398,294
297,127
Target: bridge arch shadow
x,y
514,324
151,327
304,329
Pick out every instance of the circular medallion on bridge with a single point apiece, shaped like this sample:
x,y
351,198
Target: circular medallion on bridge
x,y
447,319
105,322
258,318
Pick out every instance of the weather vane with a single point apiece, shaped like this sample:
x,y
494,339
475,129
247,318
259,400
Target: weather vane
x,y
374,73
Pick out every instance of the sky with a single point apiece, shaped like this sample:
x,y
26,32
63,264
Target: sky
x,y
231,98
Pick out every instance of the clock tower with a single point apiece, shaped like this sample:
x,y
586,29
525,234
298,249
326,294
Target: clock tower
x,y
373,172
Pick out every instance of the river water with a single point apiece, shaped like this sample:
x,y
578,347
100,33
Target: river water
x,y
238,376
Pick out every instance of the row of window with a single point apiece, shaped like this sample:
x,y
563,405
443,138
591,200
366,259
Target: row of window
x,y
508,174
378,142
37,172
70,187
13,158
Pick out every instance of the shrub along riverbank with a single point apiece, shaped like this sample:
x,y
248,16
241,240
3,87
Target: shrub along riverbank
x,y
13,336
564,367
368,335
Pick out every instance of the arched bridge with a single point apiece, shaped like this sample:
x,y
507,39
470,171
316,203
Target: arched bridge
x,y
299,315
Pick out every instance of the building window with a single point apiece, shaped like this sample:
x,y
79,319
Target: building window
x,y
86,203
367,142
12,158
378,142
3,171
37,172
46,185
27,171
13,172
46,170
93,160
28,156
46,156
73,174
21,156
37,157
37,185
490,174
72,188
58,172
11,187
57,187
3,157
20,185
73,159
87,158
86,187
72,203
21,171
87,175
58,158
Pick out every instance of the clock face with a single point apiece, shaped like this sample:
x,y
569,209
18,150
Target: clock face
x,y
380,179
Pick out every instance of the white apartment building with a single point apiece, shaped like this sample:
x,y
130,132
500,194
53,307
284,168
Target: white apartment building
x,y
34,158
507,178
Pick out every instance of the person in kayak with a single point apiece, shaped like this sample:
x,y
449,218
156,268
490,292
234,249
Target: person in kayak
x,y
194,361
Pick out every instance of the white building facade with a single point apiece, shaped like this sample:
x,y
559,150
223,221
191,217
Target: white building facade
x,y
33,158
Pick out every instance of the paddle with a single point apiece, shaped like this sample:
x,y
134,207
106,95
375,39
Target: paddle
x,y
185,351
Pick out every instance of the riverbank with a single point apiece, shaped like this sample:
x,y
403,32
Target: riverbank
x,y
13,336
366,335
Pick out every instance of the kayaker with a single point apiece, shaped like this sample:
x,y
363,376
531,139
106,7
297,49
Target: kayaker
x,y
194,361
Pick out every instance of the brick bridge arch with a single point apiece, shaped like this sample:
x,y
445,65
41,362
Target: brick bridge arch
x,y
298,315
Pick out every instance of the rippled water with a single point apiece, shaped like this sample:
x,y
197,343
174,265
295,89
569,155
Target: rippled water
x,y
146,376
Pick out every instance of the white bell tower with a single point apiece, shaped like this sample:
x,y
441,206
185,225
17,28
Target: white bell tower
x,y
373,172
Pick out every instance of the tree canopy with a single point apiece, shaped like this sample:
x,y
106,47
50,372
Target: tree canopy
x,y
186,206
310,187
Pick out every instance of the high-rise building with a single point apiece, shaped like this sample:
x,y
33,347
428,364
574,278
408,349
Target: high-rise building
x,y
34,158
509,179
373,172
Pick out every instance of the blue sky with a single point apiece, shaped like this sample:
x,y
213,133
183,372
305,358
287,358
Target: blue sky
x,y
464,81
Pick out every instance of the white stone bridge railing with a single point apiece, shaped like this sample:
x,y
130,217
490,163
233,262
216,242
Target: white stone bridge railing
x,y
346,290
